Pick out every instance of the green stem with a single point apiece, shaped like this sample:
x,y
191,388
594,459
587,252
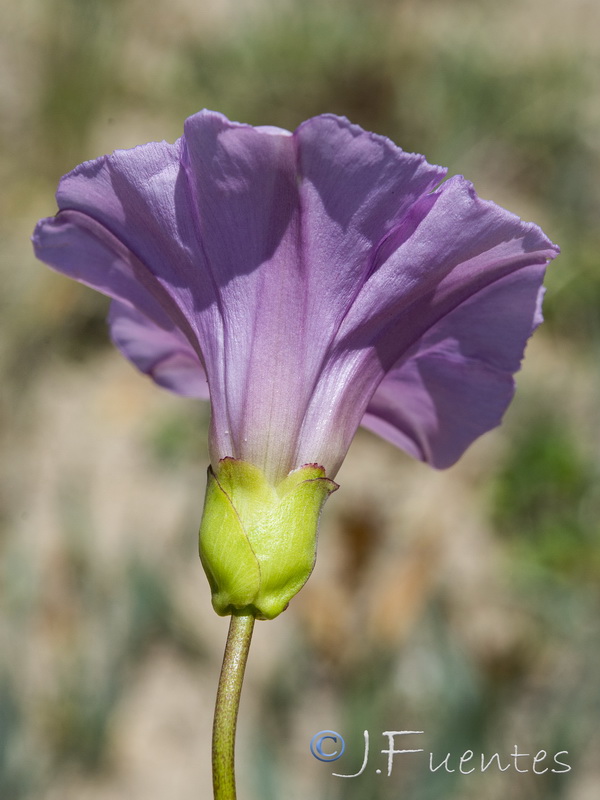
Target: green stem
x,y
226,708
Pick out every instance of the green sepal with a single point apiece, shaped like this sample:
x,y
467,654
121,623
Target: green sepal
x,y
258,541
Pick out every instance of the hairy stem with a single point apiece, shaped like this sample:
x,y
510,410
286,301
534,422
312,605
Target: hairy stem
x,y
226,708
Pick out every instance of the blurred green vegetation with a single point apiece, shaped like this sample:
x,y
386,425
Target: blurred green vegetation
x,y
506,94
548,502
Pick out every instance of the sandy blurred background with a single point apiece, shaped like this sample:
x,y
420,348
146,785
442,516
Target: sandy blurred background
x,y
465,603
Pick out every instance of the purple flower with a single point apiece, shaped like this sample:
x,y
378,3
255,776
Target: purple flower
x,y
309,282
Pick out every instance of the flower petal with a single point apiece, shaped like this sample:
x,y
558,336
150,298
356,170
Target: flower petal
x,y
124,229
458,382
355,187
449,247
162,353
243,190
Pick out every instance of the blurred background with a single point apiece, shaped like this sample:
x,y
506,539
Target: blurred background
x,y
465,603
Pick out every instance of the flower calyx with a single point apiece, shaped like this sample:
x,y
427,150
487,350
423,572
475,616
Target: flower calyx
x,y
258,541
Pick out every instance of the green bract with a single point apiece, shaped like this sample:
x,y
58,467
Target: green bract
x,y
258,541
